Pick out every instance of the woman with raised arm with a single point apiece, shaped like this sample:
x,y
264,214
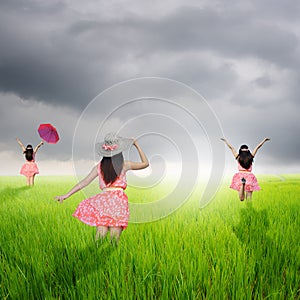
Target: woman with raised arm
x,y
30,168
108,211
244,180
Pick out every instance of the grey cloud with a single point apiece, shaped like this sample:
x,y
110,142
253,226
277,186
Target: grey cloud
x,y
22,118
31,7
249,125
264,81
73,61
54,54
287,11
38,60
231,35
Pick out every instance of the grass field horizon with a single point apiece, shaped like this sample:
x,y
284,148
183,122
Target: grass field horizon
x,y
226,250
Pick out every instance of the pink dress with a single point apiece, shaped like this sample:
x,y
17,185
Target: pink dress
x,y
30,168
109,208
251,181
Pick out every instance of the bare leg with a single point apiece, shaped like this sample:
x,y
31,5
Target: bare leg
x,y
101,232
115,233
248,195
31,180
242,190
27,180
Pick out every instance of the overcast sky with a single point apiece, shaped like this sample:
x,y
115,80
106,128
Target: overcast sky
x,y
56,57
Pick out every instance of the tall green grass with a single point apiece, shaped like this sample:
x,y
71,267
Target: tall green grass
x,y
228,250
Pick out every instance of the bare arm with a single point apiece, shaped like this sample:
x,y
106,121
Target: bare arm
x,y
38,146
129,165
21,144
83,183
235,154
259,145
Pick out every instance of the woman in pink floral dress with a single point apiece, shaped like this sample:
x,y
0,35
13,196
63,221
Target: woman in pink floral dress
x,y
108,211
29,168
244,180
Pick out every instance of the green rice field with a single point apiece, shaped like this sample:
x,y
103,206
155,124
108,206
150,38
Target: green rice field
x,y
227,250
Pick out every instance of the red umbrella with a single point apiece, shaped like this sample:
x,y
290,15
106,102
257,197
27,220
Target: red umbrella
x,y
48,133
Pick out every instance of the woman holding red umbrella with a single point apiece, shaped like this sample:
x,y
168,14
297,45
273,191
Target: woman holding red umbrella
x,y
49,134
30,168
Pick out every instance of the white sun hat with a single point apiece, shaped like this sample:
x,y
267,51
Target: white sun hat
x,y
113,144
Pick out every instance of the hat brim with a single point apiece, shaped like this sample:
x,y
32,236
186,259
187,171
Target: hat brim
x,y
123,145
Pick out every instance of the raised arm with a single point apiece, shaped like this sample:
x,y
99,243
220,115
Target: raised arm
x,y
38,146
259,145
235,154
83,183
21,144
130,165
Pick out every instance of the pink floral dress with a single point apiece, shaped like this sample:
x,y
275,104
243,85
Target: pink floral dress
x,y
30,168
251,181
109,208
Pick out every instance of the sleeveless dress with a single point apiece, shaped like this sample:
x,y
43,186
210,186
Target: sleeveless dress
x,y
251,181
30,168
109,208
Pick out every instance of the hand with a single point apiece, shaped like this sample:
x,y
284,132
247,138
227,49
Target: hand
x,y
135,143
61,199
224,140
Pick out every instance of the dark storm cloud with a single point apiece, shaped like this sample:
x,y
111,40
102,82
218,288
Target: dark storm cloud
x,y
264,81
288,10
54,55
242,56
40,61
230,35
199,29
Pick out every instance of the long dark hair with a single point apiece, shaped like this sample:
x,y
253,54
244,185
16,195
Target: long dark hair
x,y
245,158
28,153
111,167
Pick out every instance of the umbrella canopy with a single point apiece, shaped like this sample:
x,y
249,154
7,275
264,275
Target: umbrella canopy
x,y
48,133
